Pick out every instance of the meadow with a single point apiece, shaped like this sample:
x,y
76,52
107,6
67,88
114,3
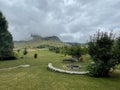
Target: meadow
x,y
38,77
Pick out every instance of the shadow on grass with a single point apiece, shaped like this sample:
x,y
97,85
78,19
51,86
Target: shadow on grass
x,y
8,59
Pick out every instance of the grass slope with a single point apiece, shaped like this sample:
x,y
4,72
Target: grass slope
x,y
38,77
32,44
38,40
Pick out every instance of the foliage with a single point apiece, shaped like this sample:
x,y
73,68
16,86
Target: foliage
x,y
100,49
51,48
84,50
25,51
44,46
116,50
16,54
75,51
54,49
64,50
6,40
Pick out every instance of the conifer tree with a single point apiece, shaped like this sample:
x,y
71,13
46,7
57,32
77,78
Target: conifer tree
x,y
6,40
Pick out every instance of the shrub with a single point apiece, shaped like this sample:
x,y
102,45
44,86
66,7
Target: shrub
x,y
101,51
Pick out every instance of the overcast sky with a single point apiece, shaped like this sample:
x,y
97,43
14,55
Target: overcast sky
x,y
71,20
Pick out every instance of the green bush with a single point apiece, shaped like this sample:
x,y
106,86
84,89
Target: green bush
x,y
116,50
101,51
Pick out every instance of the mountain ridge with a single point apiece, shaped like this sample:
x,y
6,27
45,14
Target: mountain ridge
x,y
40,38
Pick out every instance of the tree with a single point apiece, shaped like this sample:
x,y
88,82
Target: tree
x,y
6,40
75,51
101,51
116,50
64,50
25,51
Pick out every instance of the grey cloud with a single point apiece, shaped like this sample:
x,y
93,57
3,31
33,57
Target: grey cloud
x,y
71,20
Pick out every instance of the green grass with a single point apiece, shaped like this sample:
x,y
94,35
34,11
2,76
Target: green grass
x,y
38,77
86,61
32,44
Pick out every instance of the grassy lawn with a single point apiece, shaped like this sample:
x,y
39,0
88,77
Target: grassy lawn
x,y
38,77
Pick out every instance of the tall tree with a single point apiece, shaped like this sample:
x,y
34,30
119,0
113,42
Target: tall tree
x,y
116,50
6,40
101,51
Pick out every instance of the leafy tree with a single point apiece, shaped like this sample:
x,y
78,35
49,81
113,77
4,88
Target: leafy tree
x,y
18,50
116,50
75,51
54,49
6,40
84,50
64,50
101,51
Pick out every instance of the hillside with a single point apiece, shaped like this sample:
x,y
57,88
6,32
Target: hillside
x,y
38,40
49,38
